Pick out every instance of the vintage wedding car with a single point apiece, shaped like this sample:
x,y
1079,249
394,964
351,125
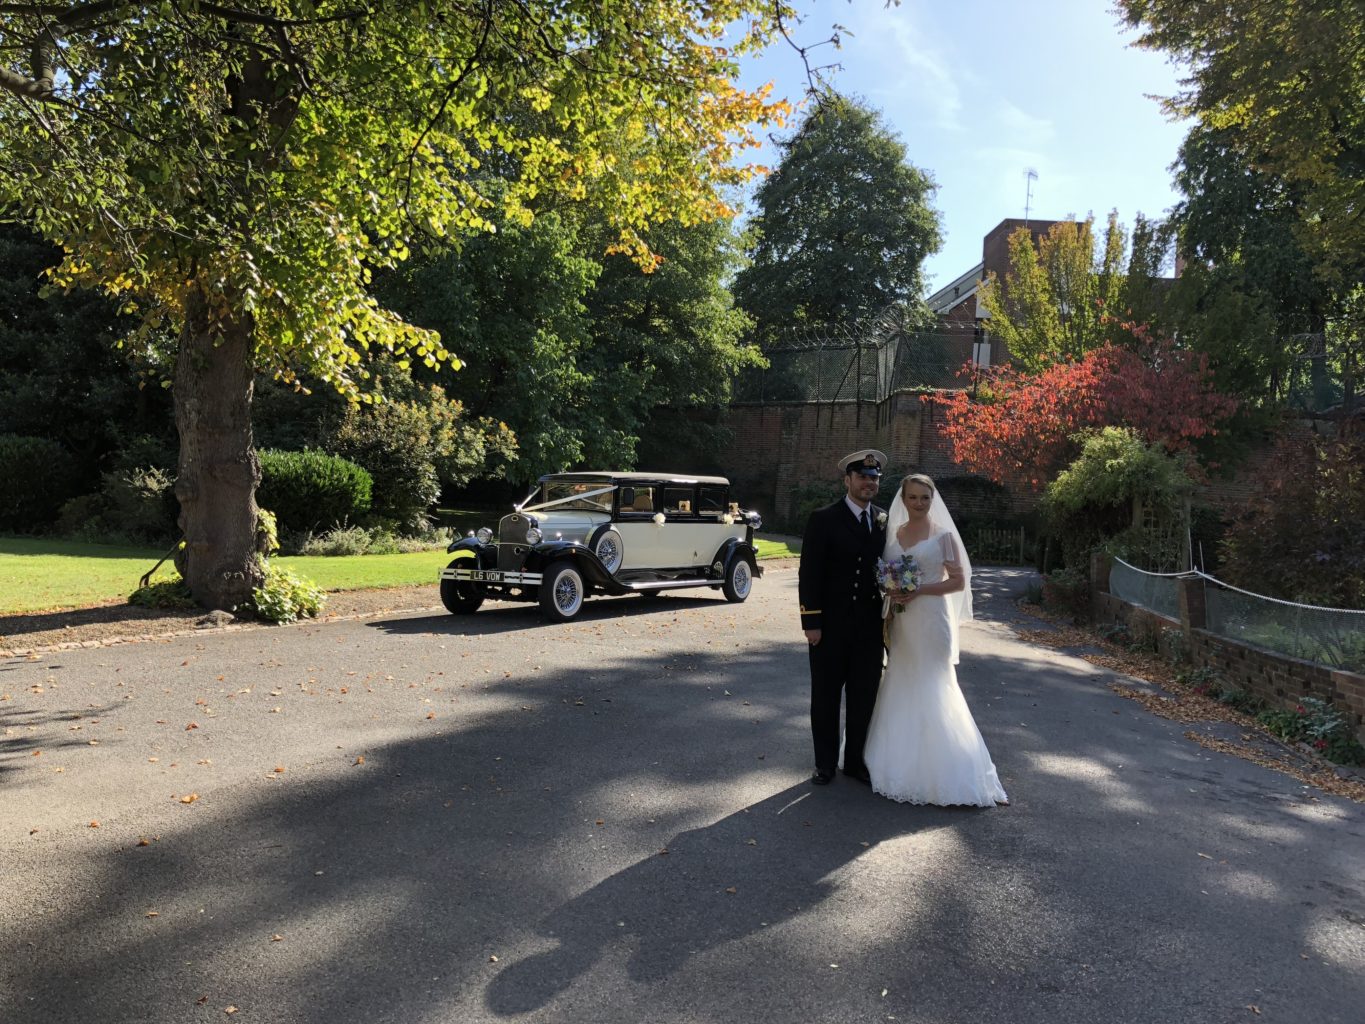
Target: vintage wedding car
x,y
578,534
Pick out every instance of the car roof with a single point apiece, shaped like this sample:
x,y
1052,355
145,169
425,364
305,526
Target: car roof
x,y
608,477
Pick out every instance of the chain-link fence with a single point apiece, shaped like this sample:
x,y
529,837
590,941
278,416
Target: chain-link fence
x,y
1334,637
1157,592
858,367
1328,636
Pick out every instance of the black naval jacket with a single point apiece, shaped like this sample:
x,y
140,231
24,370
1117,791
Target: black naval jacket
x,y
838,574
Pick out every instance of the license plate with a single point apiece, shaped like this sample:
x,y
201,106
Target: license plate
x,y
487,575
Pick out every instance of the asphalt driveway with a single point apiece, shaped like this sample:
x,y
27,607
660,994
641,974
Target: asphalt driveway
x,y
419,818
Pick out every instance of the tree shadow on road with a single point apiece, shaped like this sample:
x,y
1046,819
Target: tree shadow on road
x,y
531,830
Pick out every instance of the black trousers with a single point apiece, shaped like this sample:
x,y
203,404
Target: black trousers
x,y
845,665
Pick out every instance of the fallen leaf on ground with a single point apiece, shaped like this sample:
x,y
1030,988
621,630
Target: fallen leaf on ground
x,y
192,725
190,798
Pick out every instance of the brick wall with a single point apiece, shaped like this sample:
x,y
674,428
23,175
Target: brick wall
x,y
1275,678
779,449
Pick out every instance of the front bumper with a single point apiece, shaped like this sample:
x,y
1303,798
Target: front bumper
x,y
496,576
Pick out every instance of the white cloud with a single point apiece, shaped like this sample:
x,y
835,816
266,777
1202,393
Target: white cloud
x,y
916,70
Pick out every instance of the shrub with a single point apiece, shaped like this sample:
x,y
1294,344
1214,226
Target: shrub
x,y
136,505
1092,500
374,540
309,490
164,594
39,475
1068,590
284,597
1303,524
1316,722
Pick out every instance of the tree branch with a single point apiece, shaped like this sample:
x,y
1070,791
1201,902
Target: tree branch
x,y
72,16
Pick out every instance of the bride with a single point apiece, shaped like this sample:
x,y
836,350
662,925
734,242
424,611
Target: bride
x,y
923,747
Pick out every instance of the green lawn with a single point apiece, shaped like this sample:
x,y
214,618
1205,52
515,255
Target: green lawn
x,y
37,574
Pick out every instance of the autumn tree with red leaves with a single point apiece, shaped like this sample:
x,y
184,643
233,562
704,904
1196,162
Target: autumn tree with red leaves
x,y
1021,429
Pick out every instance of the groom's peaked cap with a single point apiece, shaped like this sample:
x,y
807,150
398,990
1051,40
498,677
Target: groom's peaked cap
x,y
868,462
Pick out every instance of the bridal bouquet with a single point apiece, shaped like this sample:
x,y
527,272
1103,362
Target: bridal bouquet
x,y
898,577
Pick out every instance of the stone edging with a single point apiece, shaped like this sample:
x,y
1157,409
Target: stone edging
x,y
115,641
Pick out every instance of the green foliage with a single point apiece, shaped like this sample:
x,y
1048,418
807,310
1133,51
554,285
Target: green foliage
x,y
285,597
806,498
1299,536
1067,590
166,594
360,540
233,178
572,350
132,505
39,475
1063,297
1285,81
57,354
844,224
309,489
283,174
413,444
1093,500
1316,722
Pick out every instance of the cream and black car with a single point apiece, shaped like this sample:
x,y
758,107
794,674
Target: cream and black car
x,y
579,534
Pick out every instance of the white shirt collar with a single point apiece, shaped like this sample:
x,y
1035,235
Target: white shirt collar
x,y
853,507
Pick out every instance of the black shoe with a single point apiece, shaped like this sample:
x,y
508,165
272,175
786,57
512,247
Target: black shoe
x,y
822,777
860,774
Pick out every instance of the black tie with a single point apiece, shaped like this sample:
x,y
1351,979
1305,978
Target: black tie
x,y
867,521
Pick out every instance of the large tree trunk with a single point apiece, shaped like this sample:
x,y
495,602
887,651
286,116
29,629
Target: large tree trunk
x,y
218,471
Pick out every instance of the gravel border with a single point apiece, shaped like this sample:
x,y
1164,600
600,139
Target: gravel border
x,y
111,624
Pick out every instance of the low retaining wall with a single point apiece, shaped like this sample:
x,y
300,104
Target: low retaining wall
x,y
1275,678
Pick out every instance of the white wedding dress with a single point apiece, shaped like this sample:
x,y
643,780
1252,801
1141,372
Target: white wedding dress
x,y
923,746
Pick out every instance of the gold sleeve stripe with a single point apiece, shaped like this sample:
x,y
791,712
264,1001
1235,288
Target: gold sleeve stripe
x,y
810,611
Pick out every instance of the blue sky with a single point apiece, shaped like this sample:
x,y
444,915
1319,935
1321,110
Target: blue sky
x,y
979,90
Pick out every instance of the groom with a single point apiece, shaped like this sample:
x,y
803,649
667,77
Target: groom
x,y
841,614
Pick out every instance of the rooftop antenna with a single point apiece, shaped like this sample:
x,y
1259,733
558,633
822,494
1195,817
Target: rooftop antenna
x,y
1030,176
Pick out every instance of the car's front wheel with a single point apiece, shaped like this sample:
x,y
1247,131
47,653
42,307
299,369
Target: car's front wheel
x,y
460,597
739,580
562,592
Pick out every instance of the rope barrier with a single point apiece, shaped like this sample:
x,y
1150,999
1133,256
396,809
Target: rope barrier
x,y
1196,573
1276,600
1169,575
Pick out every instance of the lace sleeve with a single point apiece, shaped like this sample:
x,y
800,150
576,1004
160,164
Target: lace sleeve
x,y
948,548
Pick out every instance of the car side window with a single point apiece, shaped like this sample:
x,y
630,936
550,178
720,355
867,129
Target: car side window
x,y
711,501
679,501
637,501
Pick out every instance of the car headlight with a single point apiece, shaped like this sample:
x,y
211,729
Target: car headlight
x,y
484,535
534,536
755,520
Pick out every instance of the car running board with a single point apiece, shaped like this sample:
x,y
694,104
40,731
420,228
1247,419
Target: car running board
x,y
671,584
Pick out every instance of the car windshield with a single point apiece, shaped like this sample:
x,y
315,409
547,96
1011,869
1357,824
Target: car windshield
x,y
595,503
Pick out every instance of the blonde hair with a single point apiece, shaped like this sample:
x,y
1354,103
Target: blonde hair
x,y
918,478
